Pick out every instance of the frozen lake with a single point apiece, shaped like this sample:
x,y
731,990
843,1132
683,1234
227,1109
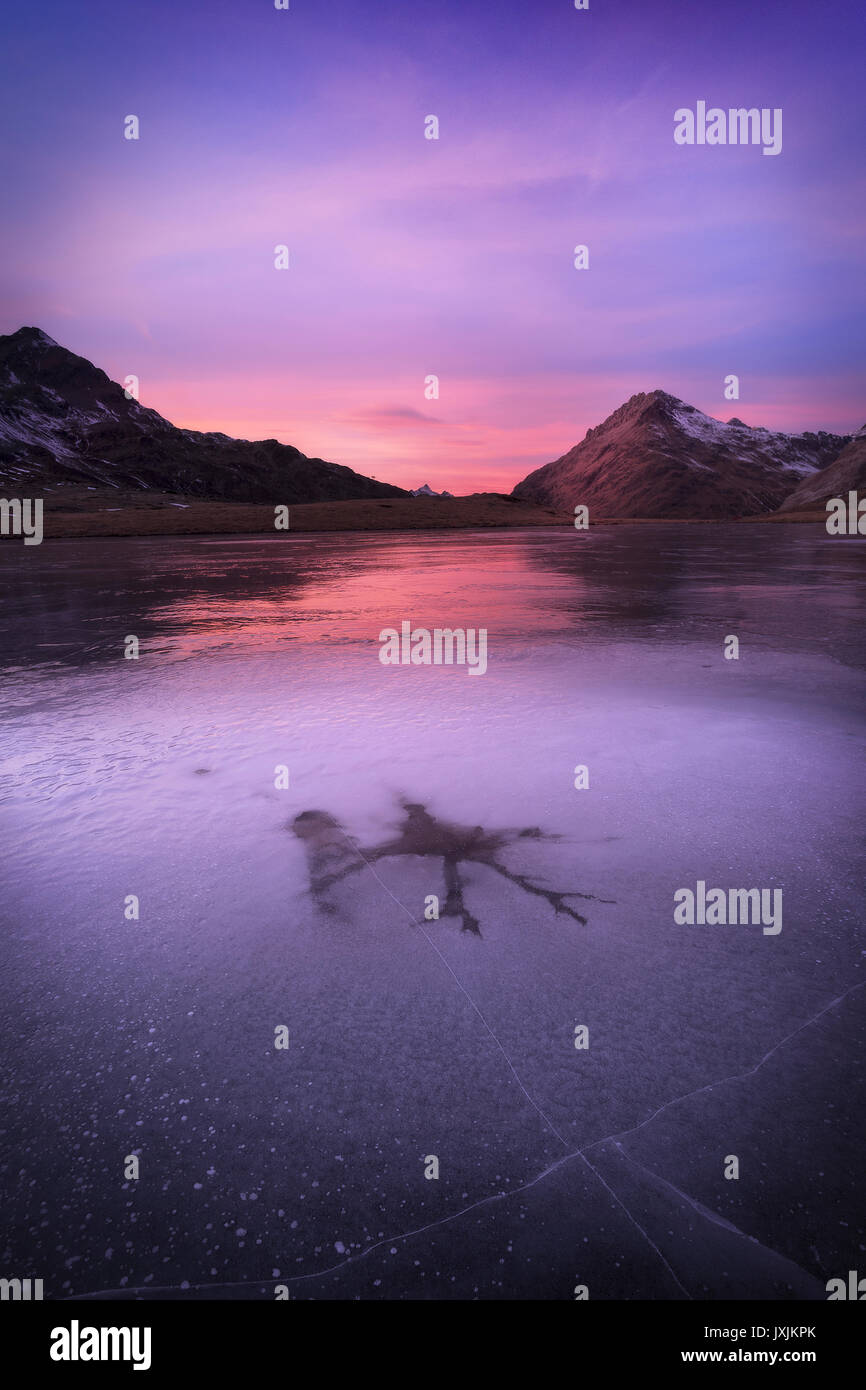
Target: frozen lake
x,y
409,1038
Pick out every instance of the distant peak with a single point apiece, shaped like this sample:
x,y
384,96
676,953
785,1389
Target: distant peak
x,y
425,490
34,336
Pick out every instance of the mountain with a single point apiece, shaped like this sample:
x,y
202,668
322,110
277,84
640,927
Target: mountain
x,y
658,457
62,421
845,474
425,490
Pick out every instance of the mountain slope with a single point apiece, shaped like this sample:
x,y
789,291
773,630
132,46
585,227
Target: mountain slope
x,y
62,421
658,457
845,474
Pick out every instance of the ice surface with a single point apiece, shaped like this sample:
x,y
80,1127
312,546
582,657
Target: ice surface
x,y
409,1037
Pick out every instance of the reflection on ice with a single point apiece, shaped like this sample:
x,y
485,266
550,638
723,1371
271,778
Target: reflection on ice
x,y
332,856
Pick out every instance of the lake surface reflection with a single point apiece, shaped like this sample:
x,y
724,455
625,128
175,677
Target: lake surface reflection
x,y
265,906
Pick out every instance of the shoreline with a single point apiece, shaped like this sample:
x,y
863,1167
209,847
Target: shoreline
x,y
148,514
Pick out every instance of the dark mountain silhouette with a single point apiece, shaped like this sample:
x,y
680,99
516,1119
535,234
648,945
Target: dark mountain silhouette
x,y
658,457
63,422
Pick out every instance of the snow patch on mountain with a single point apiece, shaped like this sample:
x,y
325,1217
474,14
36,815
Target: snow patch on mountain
x,y
425,490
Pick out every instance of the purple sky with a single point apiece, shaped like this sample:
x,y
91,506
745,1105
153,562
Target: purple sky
x,y
412,257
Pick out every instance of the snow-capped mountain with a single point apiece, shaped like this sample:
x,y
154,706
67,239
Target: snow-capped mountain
x,y
659,457
62,421
845,474
425,490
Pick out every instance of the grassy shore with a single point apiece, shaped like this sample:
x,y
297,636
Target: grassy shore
x,y
79,512
148,514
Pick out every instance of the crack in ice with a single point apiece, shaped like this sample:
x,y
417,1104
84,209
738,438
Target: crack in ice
x,y
581,1153
735,1076
706,1213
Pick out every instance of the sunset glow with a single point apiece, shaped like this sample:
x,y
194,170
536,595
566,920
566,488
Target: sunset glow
x,y
453,257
